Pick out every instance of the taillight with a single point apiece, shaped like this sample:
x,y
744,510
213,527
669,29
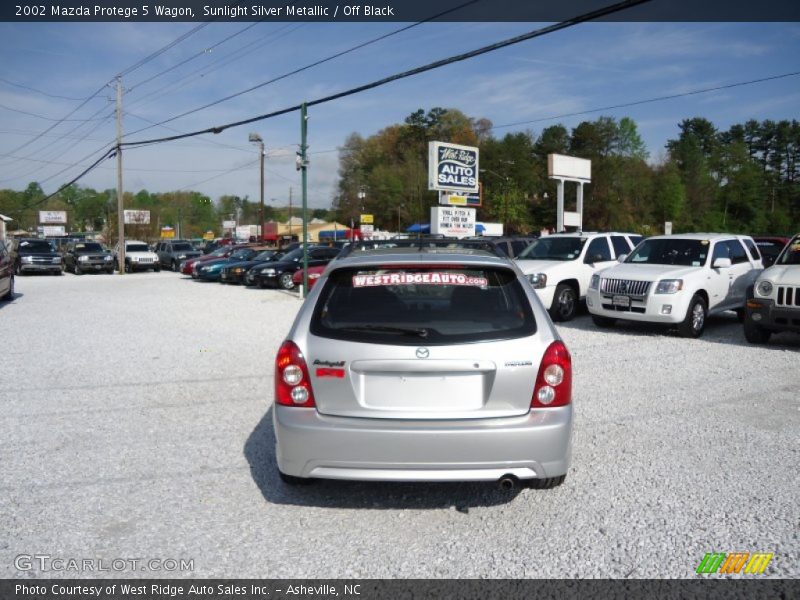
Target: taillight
x,y
292,383
554,381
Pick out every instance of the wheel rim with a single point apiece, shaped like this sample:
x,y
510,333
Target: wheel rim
x,y
698,317
566,303
286,281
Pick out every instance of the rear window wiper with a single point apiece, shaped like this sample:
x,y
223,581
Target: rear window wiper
x,y
418,331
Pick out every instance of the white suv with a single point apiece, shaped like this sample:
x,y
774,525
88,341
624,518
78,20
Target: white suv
x,y
678,280
138,257
774,304
560,266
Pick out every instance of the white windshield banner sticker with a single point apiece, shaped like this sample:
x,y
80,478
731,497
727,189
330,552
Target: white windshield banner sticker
x,y
427,278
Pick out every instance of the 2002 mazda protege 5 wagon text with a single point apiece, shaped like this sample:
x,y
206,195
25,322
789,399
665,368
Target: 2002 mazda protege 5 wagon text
x,y
423,364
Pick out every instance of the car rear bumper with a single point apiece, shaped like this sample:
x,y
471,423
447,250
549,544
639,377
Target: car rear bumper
x,y
767,315
651,309
535,445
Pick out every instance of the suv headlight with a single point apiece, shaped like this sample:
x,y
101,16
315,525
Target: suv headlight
x,y
83,258
669,286
538,280
181,256
57,260
595,282
764,288
26,259
269,272
108,258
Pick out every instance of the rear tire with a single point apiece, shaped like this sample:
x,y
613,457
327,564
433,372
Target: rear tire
x,y
694,323
565,303
157,269
754,333
603,322
77,270
547,483
292,480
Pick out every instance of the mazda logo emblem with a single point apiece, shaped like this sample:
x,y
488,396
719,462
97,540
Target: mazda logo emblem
x,y
423,353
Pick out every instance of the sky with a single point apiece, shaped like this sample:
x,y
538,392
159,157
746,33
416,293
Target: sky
x,y
582,68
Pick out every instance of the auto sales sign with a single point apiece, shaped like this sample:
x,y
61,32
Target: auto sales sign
x,y
452,168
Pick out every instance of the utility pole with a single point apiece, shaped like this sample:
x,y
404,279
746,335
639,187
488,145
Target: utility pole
x,y
261,213
304,173
290,213
120,211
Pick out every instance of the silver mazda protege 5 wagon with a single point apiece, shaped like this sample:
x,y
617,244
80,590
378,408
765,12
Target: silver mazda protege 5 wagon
x,y
423,364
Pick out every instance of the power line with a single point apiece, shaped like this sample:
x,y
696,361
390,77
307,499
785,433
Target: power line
x,y
222,61
240,168
203,52
416,71
26,87
311,65
648,100
163,49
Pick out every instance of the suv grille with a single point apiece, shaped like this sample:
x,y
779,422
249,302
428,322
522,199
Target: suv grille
x,y
788,296
625,286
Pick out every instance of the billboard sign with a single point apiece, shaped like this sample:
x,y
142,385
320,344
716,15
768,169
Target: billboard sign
x,y
366,219
53,230
560,166
52,216
229,224
452,167
167,232
136,217
453,221
367,230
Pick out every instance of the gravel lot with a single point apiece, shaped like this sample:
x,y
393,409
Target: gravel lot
x,y
137,424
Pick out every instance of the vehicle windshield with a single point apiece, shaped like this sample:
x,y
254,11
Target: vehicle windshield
x,y
553,248
137,248
267,255
89,247
790,254
671,251
219,251
423,305
243,254
182,247
36,246
295,255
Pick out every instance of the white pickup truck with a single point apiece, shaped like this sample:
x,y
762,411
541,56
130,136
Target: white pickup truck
x,y
677,280
560,266
774,304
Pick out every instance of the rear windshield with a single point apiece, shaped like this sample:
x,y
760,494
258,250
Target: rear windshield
x,y
553,248
671,251
182,247
423,305
136,248
36,246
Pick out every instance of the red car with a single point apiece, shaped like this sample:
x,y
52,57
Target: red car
x,y
313,274
187,266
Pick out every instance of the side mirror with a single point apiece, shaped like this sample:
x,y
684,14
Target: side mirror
x,y
621,258
722,263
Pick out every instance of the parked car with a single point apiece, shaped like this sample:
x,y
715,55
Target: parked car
x,y
32,255
560,266
770,247
677,280
173,252
211,270
83,257
138,257
314,273
279,273
236,272
410,365
774,302
188,266
6,273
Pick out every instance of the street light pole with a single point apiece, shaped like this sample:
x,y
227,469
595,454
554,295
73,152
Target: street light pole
x,y
254,137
